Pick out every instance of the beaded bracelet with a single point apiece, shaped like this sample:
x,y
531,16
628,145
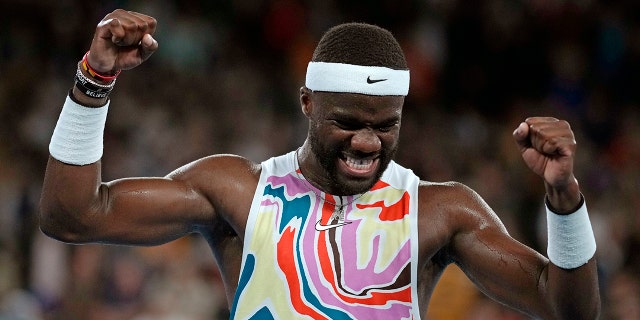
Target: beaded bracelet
x,y
92,88
94,73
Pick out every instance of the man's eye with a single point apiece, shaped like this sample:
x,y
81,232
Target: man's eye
x,y
345,125
386,127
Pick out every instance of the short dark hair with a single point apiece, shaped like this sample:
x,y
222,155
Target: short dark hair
x,y
360,44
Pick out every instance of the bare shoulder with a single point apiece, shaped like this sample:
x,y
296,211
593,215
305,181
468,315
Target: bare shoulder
x,y
227,181
454,202
449,209
444,197
218,167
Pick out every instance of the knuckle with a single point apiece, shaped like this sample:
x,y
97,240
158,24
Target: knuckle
x,y
143,26
114,22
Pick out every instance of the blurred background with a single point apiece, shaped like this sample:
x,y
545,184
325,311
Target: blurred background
x,y
226,80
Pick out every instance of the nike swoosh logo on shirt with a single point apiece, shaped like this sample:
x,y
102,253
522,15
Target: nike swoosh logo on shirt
x,y
322,227
370,81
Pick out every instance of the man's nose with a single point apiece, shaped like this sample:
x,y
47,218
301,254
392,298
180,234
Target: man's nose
x,y
366,141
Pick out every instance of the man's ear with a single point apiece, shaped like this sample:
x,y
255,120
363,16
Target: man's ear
x,y
305,101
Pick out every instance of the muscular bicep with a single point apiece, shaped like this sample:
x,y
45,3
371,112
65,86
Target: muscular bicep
x,y
149,211
78,208
135,211
502,268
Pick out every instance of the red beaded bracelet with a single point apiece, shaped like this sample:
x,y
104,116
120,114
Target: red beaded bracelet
x,y
94,73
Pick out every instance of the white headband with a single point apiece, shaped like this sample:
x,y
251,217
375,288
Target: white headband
x,y
341,77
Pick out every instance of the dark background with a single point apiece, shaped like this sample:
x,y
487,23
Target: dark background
x,y
226,80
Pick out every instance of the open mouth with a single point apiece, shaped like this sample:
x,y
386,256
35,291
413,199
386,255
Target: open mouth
x,y
359,167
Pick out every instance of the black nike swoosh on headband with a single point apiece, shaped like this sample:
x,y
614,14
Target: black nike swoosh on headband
x,y
370,81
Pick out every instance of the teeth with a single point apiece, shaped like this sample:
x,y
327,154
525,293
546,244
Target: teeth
x,y
359,164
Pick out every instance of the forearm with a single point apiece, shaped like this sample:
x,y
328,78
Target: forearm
x,y
70,196
572,281
73,176
564,198
574,293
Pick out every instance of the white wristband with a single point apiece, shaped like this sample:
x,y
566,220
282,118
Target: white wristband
x,y
78,136
571,242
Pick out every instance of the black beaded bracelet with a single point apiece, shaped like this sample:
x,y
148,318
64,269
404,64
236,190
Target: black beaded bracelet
x,y
92,88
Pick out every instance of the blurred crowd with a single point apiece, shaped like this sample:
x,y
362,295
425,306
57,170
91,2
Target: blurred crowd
x,y
226,80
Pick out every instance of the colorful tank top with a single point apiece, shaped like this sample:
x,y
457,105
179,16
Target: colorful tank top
x,y
307,255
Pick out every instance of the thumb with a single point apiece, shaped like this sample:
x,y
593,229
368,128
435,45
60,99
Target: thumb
x,y
148,46
521,135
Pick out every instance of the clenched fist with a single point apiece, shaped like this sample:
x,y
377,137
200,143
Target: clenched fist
x,y
122,41
548,148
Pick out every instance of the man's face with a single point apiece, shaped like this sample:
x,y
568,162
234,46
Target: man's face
x,y
353,137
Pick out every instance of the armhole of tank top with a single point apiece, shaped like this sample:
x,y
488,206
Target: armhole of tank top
x,y
253,210
268,168
415,252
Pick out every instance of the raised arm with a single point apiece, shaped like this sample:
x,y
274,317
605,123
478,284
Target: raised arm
x,y
548,148
564,287
77,206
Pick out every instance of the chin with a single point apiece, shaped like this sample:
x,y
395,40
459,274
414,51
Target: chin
x,y
356,185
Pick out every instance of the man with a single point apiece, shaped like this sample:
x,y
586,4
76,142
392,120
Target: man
x,y
334,229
